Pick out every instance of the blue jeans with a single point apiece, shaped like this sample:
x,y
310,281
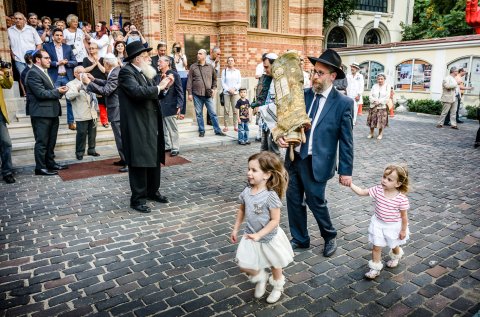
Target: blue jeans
x,y
5,148
243,132
20,66
198,102
62,81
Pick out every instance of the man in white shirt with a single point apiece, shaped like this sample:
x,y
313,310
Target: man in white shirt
x,y
22,38
355,88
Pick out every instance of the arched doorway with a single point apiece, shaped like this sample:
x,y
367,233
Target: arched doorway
x,y
55,9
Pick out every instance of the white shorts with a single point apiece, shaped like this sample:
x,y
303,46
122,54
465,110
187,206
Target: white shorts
x,y
383,234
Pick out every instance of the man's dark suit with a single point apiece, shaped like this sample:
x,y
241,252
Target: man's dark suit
x,y
43,99
142,133
309,176
155,63
67,54
108,89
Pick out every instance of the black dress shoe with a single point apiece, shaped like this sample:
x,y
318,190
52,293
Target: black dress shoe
x,y
168,150
9,179
220,133
44,171
123,169
330,248
141,208
174,153
201,134
460,121
119,163
160,198
94,154
297,246
79,157
58,167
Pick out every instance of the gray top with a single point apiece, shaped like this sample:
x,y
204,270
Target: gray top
x,y
257,210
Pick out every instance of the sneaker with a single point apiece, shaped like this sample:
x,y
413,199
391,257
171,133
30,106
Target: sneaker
x,y
241,142
247,142
201,134
220,133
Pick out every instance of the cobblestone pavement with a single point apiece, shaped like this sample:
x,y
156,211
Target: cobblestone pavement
x,y
77,249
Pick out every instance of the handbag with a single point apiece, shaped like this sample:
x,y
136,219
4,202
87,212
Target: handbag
x,y
222,95
208,91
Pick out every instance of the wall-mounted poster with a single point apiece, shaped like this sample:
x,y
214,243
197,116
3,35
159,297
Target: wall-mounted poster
x,y
404,76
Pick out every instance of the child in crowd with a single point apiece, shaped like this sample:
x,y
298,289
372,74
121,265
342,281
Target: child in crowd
x,y
264,244
389,224
243,115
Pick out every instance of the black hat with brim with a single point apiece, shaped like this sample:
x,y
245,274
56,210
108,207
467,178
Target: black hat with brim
x,y
330,58
134,49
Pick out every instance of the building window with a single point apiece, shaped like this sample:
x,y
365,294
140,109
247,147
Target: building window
x,y
372,5
370,70
471,64
372,38
413,75
337,38
259,14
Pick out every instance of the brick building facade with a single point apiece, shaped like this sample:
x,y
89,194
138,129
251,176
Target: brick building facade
x,y
287,24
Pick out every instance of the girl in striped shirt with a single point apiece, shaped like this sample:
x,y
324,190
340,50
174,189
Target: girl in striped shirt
x,y
389,224
264,245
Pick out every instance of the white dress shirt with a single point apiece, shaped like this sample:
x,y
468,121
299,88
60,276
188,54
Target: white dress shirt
x,y
22,41
59,51
231,78
325,95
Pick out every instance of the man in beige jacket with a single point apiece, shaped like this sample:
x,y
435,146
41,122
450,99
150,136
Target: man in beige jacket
x,y
449,98
84,106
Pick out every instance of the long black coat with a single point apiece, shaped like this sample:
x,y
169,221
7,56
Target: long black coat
x,y
141,119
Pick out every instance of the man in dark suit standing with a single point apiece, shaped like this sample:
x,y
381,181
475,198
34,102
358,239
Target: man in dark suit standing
x,y
45,109
315,161
142,128
61,67
162,51
108,89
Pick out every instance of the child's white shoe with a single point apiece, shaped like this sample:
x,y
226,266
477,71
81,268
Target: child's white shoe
x,y
277,289
394,258
375,269
261,283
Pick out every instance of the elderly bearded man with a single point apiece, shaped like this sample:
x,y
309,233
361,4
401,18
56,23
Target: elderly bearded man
x,y
142,127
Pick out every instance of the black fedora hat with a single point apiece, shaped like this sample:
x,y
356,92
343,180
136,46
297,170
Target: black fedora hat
x,y
330,58
134,49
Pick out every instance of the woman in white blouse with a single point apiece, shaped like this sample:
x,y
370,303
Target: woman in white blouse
x,y
100,38
377,113
231,81
75,36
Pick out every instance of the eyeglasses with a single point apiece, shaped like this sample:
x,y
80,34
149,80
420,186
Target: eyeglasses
x,y
319,73
47,57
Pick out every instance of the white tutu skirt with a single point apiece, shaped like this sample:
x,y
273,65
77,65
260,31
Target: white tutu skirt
x,y
385,234
253,255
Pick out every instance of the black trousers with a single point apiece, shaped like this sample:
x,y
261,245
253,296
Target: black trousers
x,y
144,183
301,182
45,131
477,140
86,129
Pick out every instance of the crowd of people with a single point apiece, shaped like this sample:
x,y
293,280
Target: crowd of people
x,y
109,75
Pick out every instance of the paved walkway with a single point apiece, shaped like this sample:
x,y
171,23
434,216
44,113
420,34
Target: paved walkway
x,y
77,249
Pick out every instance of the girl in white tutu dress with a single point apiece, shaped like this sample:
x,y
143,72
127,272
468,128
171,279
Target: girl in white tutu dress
x,y
389,224
264,244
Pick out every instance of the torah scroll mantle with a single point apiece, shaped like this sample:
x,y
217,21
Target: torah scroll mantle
x,y
289,99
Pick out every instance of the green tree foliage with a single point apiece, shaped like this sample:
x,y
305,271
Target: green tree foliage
x,y
436,18
336,9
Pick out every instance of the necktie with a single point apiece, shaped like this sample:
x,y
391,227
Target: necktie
x,y
313,112
49,79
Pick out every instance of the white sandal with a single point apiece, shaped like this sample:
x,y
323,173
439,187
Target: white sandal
x,y
375,269
394,258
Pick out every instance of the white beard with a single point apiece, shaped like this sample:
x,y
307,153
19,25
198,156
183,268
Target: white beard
x,y
147,70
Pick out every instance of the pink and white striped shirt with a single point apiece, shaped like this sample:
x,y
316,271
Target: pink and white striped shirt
x,y
388,209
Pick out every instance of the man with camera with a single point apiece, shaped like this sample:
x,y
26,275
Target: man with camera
x,y
45,109
201,87
6,82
